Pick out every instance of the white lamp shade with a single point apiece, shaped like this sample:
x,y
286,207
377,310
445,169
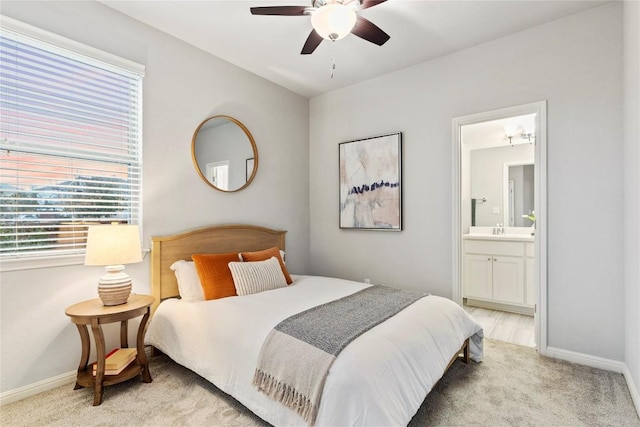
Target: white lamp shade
x,y
113,244
333,21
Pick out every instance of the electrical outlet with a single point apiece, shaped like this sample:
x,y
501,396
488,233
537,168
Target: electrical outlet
x,y
367,281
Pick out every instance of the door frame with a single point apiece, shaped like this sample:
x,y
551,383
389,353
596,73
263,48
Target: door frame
x,y
540,200
506,188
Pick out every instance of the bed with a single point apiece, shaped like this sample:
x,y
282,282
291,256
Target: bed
x,y
380,378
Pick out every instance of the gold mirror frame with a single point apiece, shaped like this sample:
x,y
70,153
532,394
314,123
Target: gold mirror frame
x,y
250,140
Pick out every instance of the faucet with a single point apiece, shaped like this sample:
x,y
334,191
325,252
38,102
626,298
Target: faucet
x,y
498,229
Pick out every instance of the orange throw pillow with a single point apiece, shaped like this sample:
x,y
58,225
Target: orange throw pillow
x,y
264,255
215,275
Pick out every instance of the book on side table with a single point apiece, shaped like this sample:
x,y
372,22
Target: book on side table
x,y
117,360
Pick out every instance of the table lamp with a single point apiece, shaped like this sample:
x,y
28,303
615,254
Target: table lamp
x,y
113,246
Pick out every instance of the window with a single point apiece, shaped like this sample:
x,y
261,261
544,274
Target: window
x,y
70,142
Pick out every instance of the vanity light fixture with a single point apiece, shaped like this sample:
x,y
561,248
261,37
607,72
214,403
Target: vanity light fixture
x,y
512,131
528,134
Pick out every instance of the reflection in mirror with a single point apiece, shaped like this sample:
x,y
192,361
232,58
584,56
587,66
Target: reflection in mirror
x,y
224,153
489,151
520,191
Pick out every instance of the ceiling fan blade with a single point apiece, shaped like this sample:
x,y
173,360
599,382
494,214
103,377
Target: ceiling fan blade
x,y
369,31
313,41
279,10
370,3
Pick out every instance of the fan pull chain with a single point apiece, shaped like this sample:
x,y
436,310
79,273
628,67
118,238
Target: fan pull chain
x,y
333,59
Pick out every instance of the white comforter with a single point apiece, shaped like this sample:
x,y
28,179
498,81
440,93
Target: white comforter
x,y
381,378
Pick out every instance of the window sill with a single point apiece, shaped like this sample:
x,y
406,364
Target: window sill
x,y
17,264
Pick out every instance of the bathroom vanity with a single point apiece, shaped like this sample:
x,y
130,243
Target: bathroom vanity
x,y
499,268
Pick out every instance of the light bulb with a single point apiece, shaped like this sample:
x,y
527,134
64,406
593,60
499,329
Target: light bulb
x,y
333,21
511,130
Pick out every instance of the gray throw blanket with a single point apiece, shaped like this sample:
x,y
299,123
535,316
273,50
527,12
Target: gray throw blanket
x,y
296,355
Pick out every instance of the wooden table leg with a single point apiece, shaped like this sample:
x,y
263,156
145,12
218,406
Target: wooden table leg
x,y
142,357
124,338
86,349
98,336
465,353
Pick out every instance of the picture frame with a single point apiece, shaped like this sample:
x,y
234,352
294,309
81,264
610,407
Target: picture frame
x,y
370,183
250,163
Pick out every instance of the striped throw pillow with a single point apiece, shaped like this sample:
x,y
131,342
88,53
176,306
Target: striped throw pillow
x,y
258,276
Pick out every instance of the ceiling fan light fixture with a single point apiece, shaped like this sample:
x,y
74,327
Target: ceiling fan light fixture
x,y
333,21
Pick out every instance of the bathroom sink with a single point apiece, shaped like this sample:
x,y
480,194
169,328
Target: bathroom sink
x,y
487,236
510,233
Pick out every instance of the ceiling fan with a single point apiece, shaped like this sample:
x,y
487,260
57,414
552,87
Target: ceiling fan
x,y
331,20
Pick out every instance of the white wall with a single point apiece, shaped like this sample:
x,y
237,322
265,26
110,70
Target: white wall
x,y
576,64
631,27
182,87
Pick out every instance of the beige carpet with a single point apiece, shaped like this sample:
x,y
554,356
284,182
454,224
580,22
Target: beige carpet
x,y
512,387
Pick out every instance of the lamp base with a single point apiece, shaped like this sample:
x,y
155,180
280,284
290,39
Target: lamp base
x,y
114,287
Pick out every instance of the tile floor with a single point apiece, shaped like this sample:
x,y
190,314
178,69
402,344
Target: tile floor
x,y
503,326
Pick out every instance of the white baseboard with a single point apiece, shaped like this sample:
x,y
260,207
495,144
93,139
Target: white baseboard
x,y
600,363
527,311
45,385
585,359
633,389
39,387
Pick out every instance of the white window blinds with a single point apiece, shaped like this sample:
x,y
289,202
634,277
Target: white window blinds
x,y
70,146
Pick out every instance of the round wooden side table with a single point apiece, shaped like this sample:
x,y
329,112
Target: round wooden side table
x,y
93,313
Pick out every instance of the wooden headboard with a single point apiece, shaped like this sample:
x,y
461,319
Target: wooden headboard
x,y
217,239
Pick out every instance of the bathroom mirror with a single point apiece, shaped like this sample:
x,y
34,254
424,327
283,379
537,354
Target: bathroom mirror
x,y
499,176
224,153
496,186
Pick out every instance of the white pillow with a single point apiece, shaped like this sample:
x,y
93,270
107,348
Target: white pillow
x,y
188,280
258,276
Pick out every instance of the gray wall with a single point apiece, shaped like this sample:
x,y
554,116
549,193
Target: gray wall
x,y
182,87
631,25
576,64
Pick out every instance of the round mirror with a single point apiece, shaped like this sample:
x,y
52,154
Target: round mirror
x,y
224,153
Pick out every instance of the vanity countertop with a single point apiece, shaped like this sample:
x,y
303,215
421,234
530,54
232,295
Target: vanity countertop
x,y
512,234
501,237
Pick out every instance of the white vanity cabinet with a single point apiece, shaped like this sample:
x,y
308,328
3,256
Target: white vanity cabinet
x,y
478,274
508,279
498,271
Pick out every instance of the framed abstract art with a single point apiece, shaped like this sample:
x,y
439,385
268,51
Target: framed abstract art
x,y
371,183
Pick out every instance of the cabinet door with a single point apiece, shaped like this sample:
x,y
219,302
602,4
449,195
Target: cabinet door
x,y
530,291
477,276
508,279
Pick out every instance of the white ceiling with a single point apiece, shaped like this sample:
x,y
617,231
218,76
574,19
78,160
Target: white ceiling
x,y
269,46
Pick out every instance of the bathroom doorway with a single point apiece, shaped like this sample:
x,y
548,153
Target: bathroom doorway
x,y
499,236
